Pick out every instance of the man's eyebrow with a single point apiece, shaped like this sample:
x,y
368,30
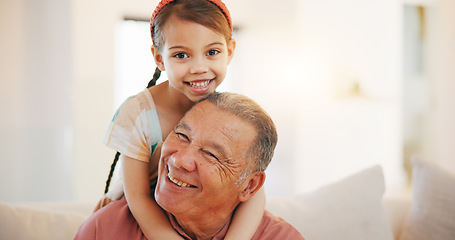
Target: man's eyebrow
x,y
183,125
219,149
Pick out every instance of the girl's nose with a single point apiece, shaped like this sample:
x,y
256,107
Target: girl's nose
x,y
185,158
199,65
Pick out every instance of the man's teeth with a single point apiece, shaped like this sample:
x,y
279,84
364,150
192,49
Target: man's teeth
x,y
178,182
200,84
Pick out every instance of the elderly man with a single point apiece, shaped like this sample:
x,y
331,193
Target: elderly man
x,y
213,160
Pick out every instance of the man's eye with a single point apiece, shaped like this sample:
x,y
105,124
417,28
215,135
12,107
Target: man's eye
x,y
211,155
212,52
181,55
182,136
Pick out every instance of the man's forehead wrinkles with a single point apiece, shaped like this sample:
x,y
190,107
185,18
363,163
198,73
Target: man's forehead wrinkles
x,y
227,132
200,108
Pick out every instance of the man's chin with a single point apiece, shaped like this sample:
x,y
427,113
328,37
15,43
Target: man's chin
x,y
165,199
170,205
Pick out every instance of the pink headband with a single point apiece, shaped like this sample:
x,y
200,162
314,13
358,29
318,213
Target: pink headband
x,y
163,3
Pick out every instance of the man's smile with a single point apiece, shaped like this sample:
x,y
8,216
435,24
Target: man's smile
x,y
179,183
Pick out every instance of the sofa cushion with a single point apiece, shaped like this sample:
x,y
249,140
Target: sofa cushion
x,y
28,223
347,209
432,213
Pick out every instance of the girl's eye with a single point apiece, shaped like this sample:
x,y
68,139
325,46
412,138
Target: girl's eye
x,y
181,55
212,52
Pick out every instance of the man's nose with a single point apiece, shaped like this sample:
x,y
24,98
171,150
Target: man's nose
x,y
199,65
185,158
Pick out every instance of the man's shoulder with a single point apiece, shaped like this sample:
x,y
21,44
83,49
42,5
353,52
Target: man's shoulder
x,y
274,227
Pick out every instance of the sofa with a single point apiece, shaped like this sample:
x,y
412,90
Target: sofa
x,y
353,208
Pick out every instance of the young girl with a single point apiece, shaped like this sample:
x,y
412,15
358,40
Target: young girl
x,y
192,42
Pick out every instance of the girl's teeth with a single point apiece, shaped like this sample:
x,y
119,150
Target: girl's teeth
x,y
200,84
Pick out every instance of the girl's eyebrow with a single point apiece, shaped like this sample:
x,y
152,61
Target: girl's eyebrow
x,y
215,43
208,45
176,47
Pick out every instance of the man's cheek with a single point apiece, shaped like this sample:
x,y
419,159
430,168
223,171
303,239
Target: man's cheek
x,y
224,174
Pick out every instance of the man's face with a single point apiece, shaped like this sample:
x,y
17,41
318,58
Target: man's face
x,y
201,161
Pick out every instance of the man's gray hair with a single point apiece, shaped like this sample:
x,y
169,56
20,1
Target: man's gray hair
x,y
261,150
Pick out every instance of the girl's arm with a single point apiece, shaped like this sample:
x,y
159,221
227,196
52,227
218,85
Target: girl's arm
x,y
247,217
151,219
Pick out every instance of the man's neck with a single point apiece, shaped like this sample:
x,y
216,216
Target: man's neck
x,y
201,229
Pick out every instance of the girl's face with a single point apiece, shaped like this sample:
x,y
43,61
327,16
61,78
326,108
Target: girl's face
x,y
194,57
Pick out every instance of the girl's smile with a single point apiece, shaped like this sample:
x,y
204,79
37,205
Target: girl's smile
x,y
200,86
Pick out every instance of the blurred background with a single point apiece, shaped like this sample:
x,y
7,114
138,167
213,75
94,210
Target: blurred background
x,y
349,83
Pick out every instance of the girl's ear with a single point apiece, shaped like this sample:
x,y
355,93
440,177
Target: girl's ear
x,y
231,49
251,185
158,58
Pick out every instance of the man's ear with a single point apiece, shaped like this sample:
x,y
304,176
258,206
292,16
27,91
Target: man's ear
x,y
251,185
158,58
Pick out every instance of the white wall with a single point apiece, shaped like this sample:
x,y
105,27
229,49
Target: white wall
x,y
296,58
36,89
93,44
440,131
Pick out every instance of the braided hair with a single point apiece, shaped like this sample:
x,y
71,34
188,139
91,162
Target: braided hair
x,y
152,83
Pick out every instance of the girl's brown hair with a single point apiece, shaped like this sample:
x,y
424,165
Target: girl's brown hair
x,y
203,12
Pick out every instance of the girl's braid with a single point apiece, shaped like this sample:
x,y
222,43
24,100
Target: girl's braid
x,y
156,75
152,83
111,172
